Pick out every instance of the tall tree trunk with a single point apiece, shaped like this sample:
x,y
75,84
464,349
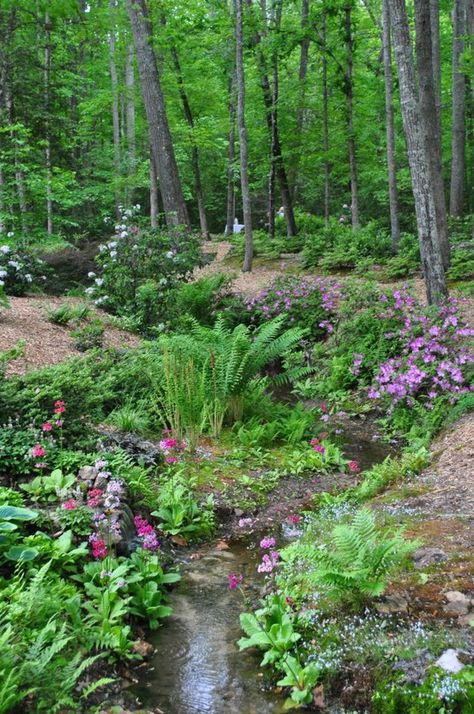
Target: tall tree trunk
x,y
425,204
300,112
327,164
273,152
115,105
244,175
47,150
2,203
154,209
130,117
470,110
277,157
436,58
161,143
276,11
428,109
194,149
19,178
456,196
390,130
231,159
349,91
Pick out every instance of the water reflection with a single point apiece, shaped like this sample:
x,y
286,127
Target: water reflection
x,y
198,668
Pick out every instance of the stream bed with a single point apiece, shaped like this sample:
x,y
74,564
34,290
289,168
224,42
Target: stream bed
x,y
197,668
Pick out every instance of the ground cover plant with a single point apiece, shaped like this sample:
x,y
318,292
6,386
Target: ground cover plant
x,y
112,461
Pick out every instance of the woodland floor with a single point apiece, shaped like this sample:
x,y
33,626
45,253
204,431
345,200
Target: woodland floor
x,y
45,342
437,506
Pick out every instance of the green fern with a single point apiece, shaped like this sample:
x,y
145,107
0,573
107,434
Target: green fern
x,y
360,556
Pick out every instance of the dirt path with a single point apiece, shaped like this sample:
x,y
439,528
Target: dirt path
x,y
46,343
263,273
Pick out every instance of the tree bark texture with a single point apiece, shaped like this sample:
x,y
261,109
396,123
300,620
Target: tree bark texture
x,y
458,132
417,156
349,92
390,130
175,210
194,149
244,175
230,212
429,115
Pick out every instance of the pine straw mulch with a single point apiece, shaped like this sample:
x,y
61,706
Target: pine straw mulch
x,y
46,343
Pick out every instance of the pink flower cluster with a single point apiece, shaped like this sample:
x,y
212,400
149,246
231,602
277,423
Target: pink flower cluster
x,y
267,542
94,497
168,445
235,580
269,561
292,296
70,505
432,353
38,451
98,545
147,533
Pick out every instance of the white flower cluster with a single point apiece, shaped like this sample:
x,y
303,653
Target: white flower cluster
x,y
16,266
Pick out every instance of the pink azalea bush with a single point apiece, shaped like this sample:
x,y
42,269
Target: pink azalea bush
x,y
311,303
433,358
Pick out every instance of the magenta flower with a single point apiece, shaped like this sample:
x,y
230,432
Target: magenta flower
x,y
37,451
168,443
235,580
47,426
93,497
353,466
99,546
59,423
59,407
147,533
171,459
319,448
267,542
294,518
70,505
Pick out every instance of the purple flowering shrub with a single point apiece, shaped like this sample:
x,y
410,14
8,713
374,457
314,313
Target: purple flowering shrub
x,y
433,360
308,303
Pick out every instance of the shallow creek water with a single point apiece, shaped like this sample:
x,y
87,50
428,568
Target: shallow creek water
x,y
198,668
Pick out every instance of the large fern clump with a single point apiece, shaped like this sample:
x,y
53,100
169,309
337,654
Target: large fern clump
x,y
207,372
355,560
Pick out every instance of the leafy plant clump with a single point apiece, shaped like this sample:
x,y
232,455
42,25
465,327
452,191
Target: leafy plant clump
x,y
20,271
139,269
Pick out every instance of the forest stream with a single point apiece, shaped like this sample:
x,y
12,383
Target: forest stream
x,y
197,668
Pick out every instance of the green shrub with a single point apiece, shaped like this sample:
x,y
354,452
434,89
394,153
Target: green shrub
x,y
461,265
20,270
337,246
201,299
90,336
139,269
179,513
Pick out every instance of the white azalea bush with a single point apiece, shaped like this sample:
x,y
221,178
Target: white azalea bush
x,y
138,269
20,270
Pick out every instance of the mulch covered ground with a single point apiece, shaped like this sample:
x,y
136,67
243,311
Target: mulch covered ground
x,y
46,343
